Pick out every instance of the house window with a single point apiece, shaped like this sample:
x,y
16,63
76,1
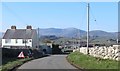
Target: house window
x,y
16,40
30,40
24,41
7,40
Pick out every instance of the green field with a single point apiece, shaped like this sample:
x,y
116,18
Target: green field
x,y
88,62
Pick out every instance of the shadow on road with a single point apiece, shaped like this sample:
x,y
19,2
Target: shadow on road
x,y
65,53
49,70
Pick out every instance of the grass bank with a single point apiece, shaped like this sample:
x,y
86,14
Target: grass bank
x,y
88,62
12,64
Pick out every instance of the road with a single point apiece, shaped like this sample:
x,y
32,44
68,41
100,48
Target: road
x,y
50,62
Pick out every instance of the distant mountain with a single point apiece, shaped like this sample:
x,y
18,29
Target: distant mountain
x,y
50,37
68,32
102,33
50,31
73,32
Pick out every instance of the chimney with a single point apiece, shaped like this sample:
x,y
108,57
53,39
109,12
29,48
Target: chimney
x,y
29,27
13,27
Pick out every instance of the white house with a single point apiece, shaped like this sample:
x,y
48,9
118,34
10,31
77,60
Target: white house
x,y
20,38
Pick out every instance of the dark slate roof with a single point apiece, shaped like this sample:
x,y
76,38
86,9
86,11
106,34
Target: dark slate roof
x,y
19,33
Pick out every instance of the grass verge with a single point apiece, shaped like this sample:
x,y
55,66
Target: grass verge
x,y
88,62
12,64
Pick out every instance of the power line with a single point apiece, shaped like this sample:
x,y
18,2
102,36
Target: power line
x,y
88,18
94,18
13,13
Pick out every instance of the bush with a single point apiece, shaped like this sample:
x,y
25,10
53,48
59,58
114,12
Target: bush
x,y
56,49
12,54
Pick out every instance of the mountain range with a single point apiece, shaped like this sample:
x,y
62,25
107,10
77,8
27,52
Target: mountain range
x,y
74,32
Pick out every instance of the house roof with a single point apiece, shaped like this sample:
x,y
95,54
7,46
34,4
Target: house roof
x,y
19,34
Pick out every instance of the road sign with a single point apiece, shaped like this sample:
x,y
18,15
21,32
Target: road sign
x,y
21,55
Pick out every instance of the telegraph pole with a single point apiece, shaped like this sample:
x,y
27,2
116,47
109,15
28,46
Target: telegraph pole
x,y
79,40
88,7
38,37
117,40
25,39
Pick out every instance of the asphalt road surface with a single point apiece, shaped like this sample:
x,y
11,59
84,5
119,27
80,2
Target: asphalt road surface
x,y
50,62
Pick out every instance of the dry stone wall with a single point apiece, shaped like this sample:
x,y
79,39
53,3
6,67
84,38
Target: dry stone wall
x,y
111,52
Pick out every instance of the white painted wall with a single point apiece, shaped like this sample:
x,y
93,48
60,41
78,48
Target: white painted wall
x,y
19,43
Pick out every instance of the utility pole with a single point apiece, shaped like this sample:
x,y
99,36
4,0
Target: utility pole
x,y
38,37
117,41
88,7
25,39
79,40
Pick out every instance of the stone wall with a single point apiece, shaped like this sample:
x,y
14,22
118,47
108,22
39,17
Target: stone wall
x,y
111,52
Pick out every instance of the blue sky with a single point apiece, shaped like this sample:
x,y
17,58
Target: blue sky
x,y
60,15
